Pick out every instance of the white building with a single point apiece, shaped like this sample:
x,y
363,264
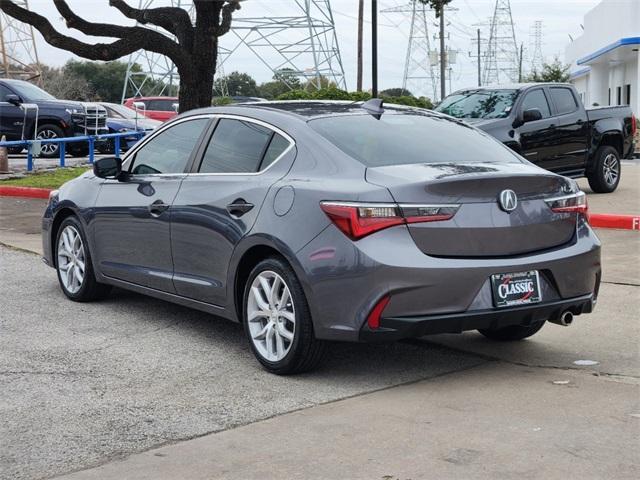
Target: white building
x,y
605,59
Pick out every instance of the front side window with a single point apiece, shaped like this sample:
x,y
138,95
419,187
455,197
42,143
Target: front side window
x,y
4,91
239,146
564,100
170,150
537,99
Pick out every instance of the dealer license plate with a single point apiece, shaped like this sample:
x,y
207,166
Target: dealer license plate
x,y
511,289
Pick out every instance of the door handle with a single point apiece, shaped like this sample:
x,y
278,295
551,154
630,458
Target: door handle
x,y
239,207
157,208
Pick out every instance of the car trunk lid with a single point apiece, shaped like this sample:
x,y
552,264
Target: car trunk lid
x,y
481,226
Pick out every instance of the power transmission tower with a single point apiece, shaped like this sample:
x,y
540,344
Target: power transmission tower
x,y
18,52
420,76
501,62
306,43
537,58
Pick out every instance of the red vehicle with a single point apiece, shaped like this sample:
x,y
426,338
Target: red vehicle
x,y
156,108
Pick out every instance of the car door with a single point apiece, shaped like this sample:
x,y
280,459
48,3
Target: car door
x,y
131,224
536,137
571,130
11,117
218,203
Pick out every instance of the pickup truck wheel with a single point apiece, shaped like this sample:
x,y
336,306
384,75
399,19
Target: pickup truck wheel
x,y
605,176
49,132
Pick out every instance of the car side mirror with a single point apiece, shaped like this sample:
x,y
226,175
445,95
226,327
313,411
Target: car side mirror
x,y
109,168
13,100
531,115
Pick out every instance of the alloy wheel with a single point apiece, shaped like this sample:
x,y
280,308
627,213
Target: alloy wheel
x,y
271,316
48,148
71,259
611,169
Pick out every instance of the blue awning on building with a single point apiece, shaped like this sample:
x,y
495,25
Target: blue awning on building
x,y
617,51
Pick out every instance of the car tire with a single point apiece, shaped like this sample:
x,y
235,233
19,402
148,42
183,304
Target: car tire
x,y
279,327
71,249
605,176
512,333
46,132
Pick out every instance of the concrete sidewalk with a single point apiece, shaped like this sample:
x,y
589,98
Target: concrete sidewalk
x,y
489,422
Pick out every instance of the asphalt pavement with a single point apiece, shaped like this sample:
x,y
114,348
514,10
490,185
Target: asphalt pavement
x,y
137,388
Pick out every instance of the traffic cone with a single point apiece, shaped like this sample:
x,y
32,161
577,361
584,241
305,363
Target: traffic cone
x,y
4,157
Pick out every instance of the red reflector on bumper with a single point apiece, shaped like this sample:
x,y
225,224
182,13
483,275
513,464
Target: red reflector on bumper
x,y
373,320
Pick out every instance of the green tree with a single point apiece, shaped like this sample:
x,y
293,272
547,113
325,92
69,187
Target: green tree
x,y
437,5
396,92
238,84
283,81
555,71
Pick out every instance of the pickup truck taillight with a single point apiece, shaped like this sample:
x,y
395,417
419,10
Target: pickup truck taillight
x,y
576,203
357,220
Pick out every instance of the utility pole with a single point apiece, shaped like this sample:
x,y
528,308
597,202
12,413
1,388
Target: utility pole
x,y
479,61
443,57
520,64
360,35
374,48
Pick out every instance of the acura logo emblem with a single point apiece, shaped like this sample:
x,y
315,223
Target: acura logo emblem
x,y
508,200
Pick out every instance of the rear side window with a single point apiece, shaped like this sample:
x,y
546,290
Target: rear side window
x,y
400,139
236,146
170,150
277,147
537,99
563,100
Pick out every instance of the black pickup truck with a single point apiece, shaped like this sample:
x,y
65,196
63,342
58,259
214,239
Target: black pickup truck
x,y
55,118
548,125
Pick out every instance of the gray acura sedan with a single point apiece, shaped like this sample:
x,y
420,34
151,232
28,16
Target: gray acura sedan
x,y
318,221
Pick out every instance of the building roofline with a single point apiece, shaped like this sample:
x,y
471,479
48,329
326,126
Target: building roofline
x,y
580,73
617,44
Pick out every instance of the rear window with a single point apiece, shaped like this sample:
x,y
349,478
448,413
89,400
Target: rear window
x,y
399,139
162,105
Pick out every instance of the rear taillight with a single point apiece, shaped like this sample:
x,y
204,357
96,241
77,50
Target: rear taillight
x,y
576,203
357,220
373,320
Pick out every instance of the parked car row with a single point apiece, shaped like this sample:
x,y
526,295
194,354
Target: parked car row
x,y
28,112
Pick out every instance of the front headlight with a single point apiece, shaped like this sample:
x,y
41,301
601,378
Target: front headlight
x,y
73,111
123,130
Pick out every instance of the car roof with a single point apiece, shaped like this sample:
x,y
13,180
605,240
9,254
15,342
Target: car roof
x,y
513,86
310,109
151,98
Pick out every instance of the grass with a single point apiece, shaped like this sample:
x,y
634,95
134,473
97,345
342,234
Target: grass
x,y
48,179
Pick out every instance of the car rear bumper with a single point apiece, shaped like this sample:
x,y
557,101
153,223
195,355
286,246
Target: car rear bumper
x,y
345,280
397,328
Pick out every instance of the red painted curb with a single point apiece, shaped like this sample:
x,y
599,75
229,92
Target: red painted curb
x,y
624,222
28,192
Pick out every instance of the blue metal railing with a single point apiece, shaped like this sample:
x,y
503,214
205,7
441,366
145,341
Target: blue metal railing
x,y
91,139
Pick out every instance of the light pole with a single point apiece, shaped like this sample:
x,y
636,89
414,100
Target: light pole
x,y
374,48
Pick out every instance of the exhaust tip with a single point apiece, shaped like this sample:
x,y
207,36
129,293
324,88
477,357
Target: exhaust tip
x,y
566,318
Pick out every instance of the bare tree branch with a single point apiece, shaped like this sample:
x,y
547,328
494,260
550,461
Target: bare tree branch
x,y
174,20
130,40
227,15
